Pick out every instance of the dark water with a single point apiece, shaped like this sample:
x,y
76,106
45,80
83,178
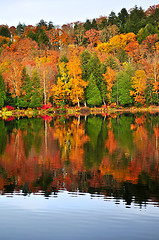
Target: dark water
x,y
80,177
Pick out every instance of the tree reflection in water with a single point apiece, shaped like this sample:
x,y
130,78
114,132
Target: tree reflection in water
x,y
117,156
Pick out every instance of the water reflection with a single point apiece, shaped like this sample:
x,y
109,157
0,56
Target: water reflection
x,y
115,157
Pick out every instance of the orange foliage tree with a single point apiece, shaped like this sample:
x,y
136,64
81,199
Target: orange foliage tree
x,y
109,77
93,36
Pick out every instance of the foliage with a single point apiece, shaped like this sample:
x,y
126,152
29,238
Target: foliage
x,y
93,93
2,91
44,63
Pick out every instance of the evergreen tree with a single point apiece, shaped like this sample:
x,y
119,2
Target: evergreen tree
x,y
2,91
112,19
103,92
103,24
41,37
154,18
123,15
25,98
93,93
42,23
36,98
4,31
87,25
84,58
122,87
94,24
136,20
20,29
94,67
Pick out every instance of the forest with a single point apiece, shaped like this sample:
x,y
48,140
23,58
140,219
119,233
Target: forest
x,y
107,61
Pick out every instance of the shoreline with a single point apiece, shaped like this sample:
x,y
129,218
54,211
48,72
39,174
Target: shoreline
x,y
75,111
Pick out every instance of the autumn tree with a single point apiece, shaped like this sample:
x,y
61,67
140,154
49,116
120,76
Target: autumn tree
x,y
75,78
149,29
61,90
79,32
108,32
109,78
139,86
47,71
117,43
13,78
93,37
152,14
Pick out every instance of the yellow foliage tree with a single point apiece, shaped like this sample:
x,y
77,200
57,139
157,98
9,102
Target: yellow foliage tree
x,y
139,86
61,89
75,79
116,43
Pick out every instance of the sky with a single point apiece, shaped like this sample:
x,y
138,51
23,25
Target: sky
x,y
62,12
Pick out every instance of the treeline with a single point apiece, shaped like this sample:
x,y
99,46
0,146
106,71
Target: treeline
x,y
110,60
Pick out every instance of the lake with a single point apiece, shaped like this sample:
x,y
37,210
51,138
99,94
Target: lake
x,y
80,177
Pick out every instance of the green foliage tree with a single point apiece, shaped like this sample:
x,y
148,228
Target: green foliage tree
x,y
154,18
93,93
20,29
42,23
4,31
111,62
94,24
103,24
3,137
27,89
123,133
112,19
39,36
2,91
36,98
146,31
136,20
87,25
94,148
94,67
123,16
151,96
122,87
84,58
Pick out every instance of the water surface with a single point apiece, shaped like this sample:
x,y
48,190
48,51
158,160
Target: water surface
x,y
93,177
